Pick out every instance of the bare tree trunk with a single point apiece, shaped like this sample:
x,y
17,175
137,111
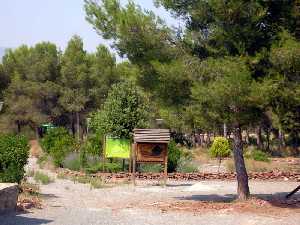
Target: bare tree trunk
x,y
78,125
241,172
268,141
247,137
37,133
18,127
281,140
259,138
225,130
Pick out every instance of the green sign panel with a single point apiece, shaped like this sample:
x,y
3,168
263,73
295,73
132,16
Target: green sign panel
x,y
117,148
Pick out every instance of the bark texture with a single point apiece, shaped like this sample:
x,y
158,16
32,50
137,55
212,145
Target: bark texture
x,y
241,173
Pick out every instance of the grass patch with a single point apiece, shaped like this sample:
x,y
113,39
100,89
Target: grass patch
x,y
72,162
186,167
30,173
81,179
150,168
42,178
251,166
109,167
97,183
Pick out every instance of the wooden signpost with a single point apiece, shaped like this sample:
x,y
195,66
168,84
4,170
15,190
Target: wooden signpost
x,y
150,146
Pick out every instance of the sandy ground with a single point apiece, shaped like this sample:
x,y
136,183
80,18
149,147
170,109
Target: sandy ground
x,y
206,202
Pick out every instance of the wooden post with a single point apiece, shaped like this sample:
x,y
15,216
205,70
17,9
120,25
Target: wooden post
x,y
103,157
166,167
133,163
130,159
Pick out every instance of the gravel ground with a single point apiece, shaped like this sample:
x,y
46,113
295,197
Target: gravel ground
x,y
69,203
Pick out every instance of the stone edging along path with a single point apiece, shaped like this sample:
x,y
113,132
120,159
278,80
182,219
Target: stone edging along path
x,y
273,175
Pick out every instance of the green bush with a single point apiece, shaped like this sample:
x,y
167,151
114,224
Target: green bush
x,y
14,153
150,168
220,148
174,155
258,155
185,164
186,167
72,161
109,167
90,148
58,143
42,178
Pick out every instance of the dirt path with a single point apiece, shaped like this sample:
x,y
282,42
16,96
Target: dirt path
x,y
69,203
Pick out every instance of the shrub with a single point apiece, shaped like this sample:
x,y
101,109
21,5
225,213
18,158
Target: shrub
x,y
150,168
258,155
174,155
93,145
109,167
42,178
251,166
97,183
220,149
125,108
14,153
58,143
185,166
72,161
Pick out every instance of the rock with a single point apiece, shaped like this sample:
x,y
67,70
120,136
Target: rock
x,y
8,197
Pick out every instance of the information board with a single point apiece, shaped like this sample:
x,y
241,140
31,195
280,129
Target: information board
x,y
117,148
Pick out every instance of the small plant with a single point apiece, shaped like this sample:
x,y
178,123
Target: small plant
x,y
150,168
58,143
97,183
30,173
258,155
72,161
185,166
42,178
109,167
174,155
220,149
81,179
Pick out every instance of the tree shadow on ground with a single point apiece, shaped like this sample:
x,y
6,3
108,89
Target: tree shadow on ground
x,y
18,219
47,196
277,199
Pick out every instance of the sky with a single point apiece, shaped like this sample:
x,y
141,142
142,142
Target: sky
x,y
32,21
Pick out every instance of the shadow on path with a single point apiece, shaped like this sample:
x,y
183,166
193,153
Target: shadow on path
x,y
19,219
276,199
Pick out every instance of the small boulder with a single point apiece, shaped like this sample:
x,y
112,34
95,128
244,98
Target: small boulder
x,y
8,197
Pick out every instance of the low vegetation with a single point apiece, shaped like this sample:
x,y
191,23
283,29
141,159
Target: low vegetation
x,y
14,153
42,178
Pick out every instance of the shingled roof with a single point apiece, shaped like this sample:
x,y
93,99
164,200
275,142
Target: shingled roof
x,y
151,135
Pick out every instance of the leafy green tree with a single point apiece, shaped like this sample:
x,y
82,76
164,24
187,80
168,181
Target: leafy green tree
x,y
4,81
231,97
231,27
102,74
137,35
220,149
32,94
75,81
125,108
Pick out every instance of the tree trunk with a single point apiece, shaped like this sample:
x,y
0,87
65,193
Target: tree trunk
x,y
18,127
268,141
37,136
281,140
78,125
73,125
241,173
259,138
225,130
